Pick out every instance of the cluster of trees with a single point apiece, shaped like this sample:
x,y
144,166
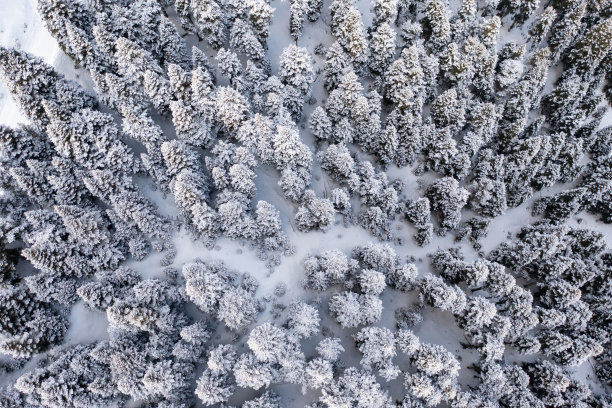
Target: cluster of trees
x,y
364,276
154,345
378,197
142,69
214,290
27,325
150,355
560,317
456,103
71,207
468,106
570,269
71,203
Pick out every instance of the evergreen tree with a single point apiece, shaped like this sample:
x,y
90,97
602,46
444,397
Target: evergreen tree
x,y
352,309
31,82
351,36
438,24
358,388
336,60
303,319
296,68
590,50
405,71
157,88
377,346
320,124
385,11
317,374
231,108
565,30
260,14
61,16
542,25
488,197
190,126
299,10
447,198
448,110
208,19
382,48
316,213
244,39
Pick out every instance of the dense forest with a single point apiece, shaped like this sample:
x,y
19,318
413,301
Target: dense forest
x,y
425,187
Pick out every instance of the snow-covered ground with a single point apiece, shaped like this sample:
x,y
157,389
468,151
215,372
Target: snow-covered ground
x,y
20,26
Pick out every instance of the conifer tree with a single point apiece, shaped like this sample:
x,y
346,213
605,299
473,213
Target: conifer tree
x,y
208,19
438,24
565,30
447,198
336,60
244,39
296,68
590,50
542,25
299,10
31,82
382,48
351,36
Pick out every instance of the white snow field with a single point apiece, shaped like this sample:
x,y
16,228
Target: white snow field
x,y
21,27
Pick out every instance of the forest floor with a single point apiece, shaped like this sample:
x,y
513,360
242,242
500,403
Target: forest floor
x,y
20,26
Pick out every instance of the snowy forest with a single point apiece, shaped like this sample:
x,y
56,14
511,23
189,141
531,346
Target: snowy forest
x,y
306,203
